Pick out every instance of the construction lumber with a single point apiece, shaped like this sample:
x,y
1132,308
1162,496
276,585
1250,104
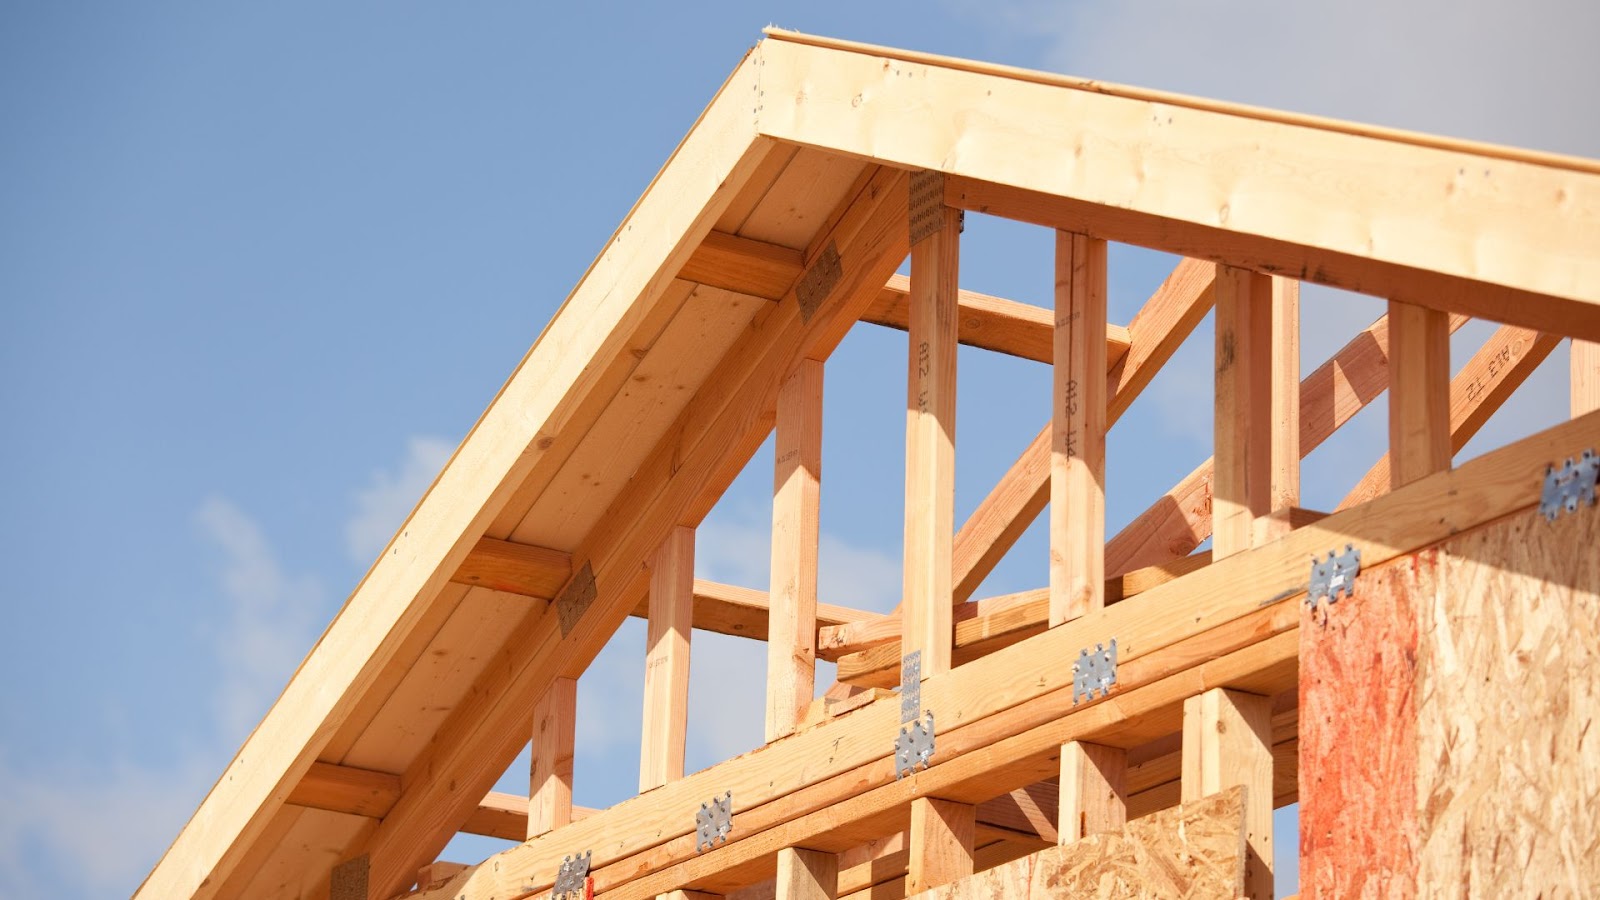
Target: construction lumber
x,y
744,612
992,323
1227,742
941,839
363,792
555,719
1193,850
715,436
1155,333
666,667
564,380
1482,386
1243,428
1020,744
1160,326
1419,392
1093,790
1078,431
931,428
515,568
806,875
792,634
867,659
1585,366
1283,481
760,269
1329,397
1033,155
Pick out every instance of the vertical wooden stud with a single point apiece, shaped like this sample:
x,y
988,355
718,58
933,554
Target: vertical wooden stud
x,y
930,443
1227,740
1419,392
1284,419
1093,790
1585,377
1241,491
1077,458
941,843
792,616
550,772
807,875
666,672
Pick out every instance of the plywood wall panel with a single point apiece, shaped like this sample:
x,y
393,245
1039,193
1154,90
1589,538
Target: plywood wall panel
x,y
1358,739
1508,692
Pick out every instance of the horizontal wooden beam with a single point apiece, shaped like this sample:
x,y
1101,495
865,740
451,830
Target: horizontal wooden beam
x,y
1430,225
541,572
982,626
767,270
515,568
370,794
742,612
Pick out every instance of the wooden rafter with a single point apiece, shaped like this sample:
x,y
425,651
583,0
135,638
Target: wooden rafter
x,y
716,434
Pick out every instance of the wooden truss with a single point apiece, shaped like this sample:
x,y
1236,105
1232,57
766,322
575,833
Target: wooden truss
x,y
704,327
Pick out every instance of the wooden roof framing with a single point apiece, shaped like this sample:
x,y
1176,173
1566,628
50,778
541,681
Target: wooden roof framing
x,y
776,226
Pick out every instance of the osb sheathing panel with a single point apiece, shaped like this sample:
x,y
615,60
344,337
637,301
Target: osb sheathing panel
x,y
1191,851
1358,737
1448,712
1508,691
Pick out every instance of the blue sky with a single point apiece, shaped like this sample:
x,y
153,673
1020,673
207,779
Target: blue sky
x,y
262,265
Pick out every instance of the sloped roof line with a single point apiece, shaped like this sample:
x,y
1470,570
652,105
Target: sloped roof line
x,y
1170,98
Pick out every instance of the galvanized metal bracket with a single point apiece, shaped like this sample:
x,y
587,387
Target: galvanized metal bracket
x,y
1333,577
819,281
910,686
1566,487
1094,672
913,749
571,878
713,822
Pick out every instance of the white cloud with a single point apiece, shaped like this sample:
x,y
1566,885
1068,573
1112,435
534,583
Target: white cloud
x,y
391,495
90,828
273,619
1505,72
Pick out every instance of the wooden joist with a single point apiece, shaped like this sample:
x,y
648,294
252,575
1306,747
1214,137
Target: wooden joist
x,y
714,437
867,657
766,270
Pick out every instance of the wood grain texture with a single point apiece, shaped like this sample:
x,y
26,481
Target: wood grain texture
x,y
792,618
1227,741
1482,386
550,764
1585,368
930,446
1078,431
1190,852
941,841
1419,392
1093,790
666,667
806,875
1243,428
